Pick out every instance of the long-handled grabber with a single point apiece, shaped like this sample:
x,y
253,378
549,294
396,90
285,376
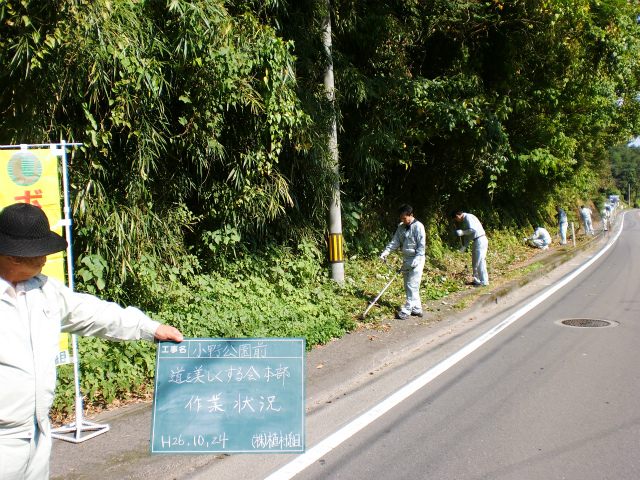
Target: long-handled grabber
x,y
383,290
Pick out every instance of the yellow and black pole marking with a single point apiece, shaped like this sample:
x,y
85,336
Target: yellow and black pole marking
x,y
336,252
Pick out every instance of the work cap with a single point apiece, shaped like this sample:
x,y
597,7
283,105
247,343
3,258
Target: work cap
x,y
25,232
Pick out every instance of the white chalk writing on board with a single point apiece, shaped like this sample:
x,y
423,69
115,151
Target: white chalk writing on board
x,y
229,395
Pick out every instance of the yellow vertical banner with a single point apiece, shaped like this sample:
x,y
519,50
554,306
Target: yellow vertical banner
x,y
31,176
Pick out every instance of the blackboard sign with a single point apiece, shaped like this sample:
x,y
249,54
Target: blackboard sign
x,y
218,395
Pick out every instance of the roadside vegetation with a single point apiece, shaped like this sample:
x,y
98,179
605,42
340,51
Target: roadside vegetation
x,y
284,293
201,190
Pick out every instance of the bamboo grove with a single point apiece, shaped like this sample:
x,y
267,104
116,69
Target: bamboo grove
x,y
204,123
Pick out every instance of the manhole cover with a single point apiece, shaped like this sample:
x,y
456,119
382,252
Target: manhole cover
x,y
587,322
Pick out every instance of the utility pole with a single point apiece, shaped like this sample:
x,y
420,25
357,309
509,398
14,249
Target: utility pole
x,y
336,251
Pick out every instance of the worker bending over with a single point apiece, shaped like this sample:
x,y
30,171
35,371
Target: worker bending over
x,y
472,231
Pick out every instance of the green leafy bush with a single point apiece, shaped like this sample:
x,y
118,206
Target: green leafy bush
x,y
282,293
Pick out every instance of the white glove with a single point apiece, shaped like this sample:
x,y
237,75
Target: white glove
x,y
460,232
414,263
383,256
463,249
525,239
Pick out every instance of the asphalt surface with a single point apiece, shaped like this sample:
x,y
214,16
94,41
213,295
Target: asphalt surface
x,y
542,400
343,379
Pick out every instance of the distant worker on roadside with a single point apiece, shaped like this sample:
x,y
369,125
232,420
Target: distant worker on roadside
x,y
612,212
540,238
410,237
472,231
586,213
34,309
563,223
605,218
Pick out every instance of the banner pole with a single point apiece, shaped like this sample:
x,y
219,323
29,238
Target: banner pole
x,y
79,405
67,215
76,428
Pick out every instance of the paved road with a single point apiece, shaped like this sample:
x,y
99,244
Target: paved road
x,y
474,421
538,401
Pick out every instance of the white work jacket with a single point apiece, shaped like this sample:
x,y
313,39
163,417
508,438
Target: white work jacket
x,y
562,217
471,229
542,233
411,239
31,318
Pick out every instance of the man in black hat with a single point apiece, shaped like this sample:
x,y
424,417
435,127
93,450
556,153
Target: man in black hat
x,y
34,309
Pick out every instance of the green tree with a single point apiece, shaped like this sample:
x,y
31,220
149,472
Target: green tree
x,y
204,122
186,112
624,162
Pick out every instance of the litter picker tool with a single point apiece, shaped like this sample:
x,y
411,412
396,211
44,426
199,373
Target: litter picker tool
x,y
397,271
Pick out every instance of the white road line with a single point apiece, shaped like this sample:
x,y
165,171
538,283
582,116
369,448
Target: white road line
x,y
332,441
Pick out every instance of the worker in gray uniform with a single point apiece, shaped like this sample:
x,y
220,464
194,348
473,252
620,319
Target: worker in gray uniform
x,y
605,218
563,223
472,231
586,213
410,237
540,238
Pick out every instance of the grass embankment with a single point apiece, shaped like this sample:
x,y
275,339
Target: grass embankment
x,y
282,293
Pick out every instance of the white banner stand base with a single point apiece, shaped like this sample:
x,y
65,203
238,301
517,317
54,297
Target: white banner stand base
x,y
74,433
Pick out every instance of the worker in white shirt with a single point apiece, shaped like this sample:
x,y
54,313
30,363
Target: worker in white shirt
x,y
563,223
612,212
586,213
472,231
540,238
605,218
34,309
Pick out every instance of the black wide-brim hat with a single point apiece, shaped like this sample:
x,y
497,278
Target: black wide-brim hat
x,y
25,232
